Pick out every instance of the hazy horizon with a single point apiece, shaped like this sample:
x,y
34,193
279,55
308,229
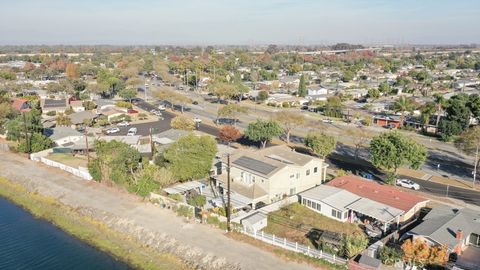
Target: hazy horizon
x,y
216,22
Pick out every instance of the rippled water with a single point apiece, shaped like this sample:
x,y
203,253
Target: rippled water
x,y
29,243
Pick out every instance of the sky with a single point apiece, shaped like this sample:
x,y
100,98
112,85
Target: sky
x,y
240,22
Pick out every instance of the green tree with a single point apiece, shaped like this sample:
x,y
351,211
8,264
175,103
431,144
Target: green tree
x,y
302,87
458,111
263,131
128,94
448,129
150,178
473,104
63,120
348,75
469,143
89,105
183,123
391,150
403,105
191,156
320,143
440,104
354,244
262,95
197,201
37,142
231,111
384,88
427,111
115,162
290,121
373,93
333,107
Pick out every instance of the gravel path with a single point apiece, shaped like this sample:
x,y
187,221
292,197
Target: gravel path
x,y
80,193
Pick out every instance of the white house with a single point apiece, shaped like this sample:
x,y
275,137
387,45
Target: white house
x,y
64,136
270,174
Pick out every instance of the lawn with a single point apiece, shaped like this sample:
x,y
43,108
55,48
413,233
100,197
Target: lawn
x,y
69,159
295,220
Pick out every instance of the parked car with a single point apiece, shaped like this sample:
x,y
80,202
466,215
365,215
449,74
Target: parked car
x,y
132,111
123,124
161,107
113,130
390,126
195,102
157,113
408,184
132,131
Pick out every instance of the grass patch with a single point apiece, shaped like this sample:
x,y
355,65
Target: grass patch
x,y
287,254
88,230
295,220
69,159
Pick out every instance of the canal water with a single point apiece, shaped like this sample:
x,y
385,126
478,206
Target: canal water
x,y
30,243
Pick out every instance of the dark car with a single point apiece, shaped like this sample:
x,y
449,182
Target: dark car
x,y
226,121
195,102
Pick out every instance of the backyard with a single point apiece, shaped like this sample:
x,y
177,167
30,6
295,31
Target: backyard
x,y
295,220
69,159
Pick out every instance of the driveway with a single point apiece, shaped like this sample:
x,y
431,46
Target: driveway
x,y
80,193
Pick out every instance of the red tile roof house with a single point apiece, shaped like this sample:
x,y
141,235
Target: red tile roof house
x,y
385,194
21,105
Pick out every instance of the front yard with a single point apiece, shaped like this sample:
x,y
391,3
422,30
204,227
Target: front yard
x,y
295,220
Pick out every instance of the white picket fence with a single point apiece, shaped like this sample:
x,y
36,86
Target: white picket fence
x,y
293,246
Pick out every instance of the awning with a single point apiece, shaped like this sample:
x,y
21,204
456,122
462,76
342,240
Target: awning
x,y
376,210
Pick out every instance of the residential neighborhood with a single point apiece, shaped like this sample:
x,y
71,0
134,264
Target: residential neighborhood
x,y
359,155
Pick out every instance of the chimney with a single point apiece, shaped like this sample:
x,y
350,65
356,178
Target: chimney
x,y
459,234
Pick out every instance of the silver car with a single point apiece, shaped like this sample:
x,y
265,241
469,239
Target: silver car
x,y
408,184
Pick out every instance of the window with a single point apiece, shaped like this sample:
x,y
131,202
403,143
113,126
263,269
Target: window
x,y
319,207
304,201
298,175
334,213
339,215
307,172
315,170
309,203
345,215
314,205
293,191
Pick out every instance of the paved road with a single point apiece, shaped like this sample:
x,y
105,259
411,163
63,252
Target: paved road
x,y
79,193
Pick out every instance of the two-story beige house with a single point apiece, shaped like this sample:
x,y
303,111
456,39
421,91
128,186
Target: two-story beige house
x,y
268,175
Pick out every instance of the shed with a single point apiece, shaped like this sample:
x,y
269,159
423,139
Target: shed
x,y
254,222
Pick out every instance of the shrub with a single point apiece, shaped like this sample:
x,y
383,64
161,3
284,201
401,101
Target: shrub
x,y
185,211
390,256
124,104
197,201
51,113
176,197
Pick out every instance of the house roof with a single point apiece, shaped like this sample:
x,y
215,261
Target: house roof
x,y
18,103
76,103
251,192
58,133
266,162
385,194
442,223
54,103
130,140
343,200
254,218
78,117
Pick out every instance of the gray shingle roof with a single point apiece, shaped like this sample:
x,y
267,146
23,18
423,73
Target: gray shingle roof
x,y
61,132
442,223
254,165
54,103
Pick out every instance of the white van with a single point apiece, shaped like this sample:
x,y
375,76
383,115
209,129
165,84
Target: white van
x,y
132,131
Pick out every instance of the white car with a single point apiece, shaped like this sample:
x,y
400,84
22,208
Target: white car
x,y
123,124
408,184
113,130
161,107
329,121
197,120
157,113
132,131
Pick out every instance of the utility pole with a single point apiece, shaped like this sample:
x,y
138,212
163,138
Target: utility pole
x,y
229,206
475,166
86,144
26,133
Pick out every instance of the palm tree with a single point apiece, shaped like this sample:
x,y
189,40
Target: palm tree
x,y
427,111
440,104
403,105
